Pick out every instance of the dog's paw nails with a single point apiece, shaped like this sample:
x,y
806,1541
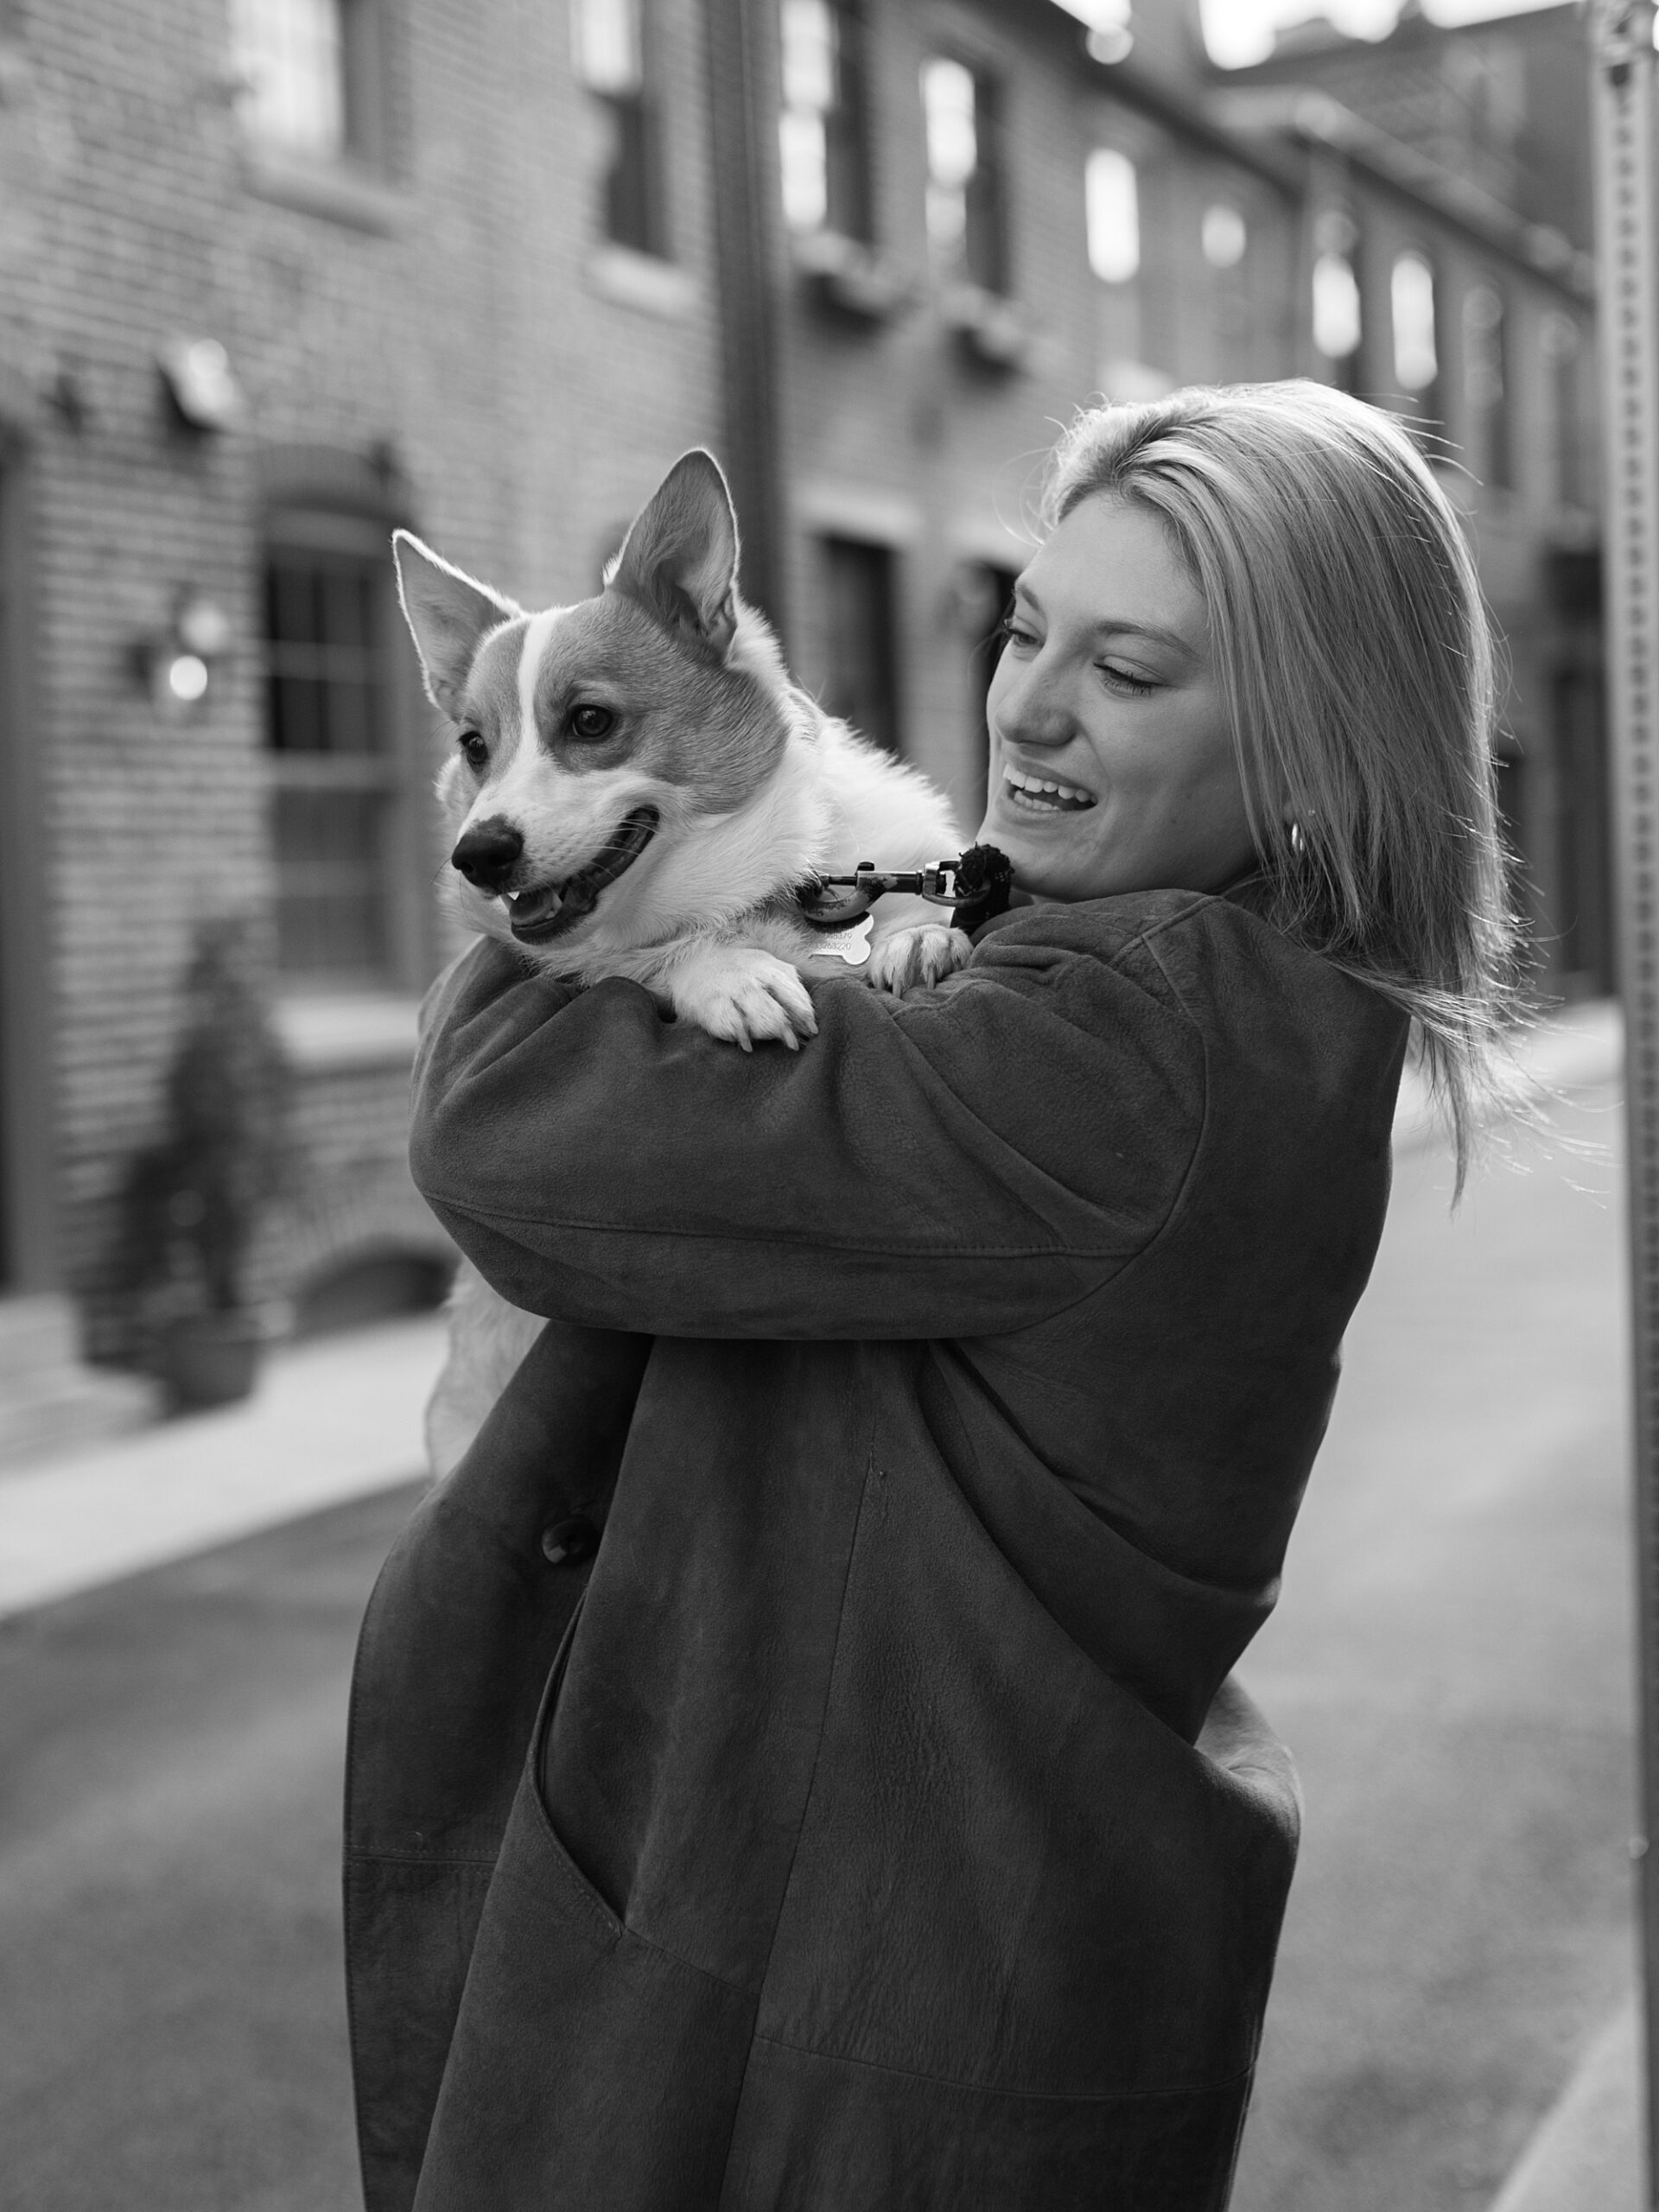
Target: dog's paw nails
x,y
749,997
914,957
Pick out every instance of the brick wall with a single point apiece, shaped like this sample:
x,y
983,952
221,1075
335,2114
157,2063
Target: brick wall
x,y
447,322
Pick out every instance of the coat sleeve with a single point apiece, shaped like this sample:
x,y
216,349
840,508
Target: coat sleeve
x,y
961,1161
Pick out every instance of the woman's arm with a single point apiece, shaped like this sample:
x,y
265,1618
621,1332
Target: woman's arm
x,y
963,1161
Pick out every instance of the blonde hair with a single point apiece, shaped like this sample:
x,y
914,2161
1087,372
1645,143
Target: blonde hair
x,y
1355,656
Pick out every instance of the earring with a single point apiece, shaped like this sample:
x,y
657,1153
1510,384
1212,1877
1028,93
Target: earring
x,y
1298,842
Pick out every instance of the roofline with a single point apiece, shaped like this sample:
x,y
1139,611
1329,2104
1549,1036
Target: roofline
x,y
1257,126
1315,119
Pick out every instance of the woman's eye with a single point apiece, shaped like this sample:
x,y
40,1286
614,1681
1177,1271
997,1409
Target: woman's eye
x,y
1125,680
1015,632
473,751
592,722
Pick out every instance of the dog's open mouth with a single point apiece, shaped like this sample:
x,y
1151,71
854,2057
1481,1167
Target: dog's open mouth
x,y
537,916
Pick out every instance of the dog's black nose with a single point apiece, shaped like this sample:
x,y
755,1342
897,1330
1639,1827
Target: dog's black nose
x,y
488,853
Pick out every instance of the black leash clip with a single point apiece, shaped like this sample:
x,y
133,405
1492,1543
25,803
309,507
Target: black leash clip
x,y
975,887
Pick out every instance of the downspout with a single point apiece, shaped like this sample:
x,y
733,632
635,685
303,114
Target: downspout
x,y
742,115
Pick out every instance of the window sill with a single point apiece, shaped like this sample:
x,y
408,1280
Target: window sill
x,y
854,278
336,190
994,331
639,280
322,1032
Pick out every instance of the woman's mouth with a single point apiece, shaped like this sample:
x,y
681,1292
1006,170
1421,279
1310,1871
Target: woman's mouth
x,y
537,916
1043,794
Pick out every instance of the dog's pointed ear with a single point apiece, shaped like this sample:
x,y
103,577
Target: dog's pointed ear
x,y
679,560
447,612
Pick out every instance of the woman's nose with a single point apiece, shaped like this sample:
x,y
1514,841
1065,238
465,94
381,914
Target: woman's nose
x,y
1027,711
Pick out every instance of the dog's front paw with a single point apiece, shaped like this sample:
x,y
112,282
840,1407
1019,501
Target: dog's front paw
x,y
743,994
914,956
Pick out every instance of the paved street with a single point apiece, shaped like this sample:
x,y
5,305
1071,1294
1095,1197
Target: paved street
x,y
1449,1663
174,2035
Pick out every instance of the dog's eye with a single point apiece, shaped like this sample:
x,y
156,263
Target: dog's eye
x,y
592,722
473,751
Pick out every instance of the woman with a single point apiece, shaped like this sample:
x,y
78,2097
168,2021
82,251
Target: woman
x,y
891,1838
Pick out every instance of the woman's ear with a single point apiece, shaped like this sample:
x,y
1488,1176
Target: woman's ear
x,y
679,560
447,612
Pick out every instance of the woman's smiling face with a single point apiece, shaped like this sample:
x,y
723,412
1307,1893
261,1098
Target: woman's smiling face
x,y
1112,765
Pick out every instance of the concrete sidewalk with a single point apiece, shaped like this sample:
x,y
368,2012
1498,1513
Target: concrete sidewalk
x,y
331,1420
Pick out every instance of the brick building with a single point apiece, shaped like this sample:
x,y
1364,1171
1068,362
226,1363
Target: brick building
x,y
281,274
273,278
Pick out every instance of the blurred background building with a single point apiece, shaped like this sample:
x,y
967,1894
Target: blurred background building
x,y
277,276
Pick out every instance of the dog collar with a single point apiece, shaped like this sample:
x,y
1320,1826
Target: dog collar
x,y
975,887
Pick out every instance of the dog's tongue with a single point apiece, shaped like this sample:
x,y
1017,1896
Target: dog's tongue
x,y
535,907
539,915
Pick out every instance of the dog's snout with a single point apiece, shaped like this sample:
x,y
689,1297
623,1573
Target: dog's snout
x,y
488,854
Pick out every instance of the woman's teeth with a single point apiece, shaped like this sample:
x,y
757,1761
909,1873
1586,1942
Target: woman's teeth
x,y
1043,796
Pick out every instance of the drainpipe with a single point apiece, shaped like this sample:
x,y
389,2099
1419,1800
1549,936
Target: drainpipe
x,y
742,127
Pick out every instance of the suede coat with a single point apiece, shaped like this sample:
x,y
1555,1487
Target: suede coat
x,y
793,1763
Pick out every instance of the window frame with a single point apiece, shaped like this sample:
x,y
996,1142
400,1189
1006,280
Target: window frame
x,y
305,525
986,189
885,636
633,198
846,124
366,138
1492,420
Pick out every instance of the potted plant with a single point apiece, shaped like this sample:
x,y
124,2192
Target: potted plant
x,y
196,1199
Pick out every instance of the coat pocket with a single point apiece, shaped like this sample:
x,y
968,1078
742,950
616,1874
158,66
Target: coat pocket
x,y
817,2134
587,2066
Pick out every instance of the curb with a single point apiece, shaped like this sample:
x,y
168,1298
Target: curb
x,y
1586,2155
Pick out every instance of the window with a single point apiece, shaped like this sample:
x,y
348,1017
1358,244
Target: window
x,y
1338,322
612,61
1562,344
338,818
1486,382
1112,207
860,644
824,127
967,211
1222,235
1412,304
309,70
290,55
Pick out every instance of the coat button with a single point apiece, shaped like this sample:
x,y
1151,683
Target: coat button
x,y
566,1543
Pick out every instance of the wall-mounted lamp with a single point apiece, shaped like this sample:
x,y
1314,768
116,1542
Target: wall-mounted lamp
x,y
179,666
200,382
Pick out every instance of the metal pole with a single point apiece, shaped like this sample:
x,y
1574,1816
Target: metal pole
x,y
1622,126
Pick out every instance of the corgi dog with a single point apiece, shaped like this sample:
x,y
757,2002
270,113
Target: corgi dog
x,y
637,789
